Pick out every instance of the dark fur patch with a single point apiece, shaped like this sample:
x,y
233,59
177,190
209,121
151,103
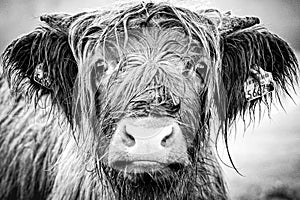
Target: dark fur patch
x,y
48,48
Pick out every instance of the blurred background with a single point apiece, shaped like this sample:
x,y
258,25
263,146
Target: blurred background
x,y
268,153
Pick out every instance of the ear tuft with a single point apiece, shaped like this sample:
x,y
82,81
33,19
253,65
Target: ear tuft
x,y
242,51
41,64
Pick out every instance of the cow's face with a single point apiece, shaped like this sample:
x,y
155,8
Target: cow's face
x,y
152,90
150,109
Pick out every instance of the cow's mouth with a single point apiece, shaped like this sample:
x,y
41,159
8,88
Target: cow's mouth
x,y
145,175
153,179
146,166
138,166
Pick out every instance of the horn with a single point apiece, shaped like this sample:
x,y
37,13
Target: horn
x,y
60,21
231,23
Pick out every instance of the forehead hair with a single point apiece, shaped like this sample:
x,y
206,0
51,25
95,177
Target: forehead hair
x,y
148,45
154,33
92,29
158,30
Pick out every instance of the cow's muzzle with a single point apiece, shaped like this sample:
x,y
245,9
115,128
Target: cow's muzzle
x,y
147,144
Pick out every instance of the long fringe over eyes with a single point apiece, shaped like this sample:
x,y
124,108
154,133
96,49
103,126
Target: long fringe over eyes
x,y
99,31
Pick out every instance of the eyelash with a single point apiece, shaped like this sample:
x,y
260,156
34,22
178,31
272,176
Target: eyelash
x,y
199,68
99,64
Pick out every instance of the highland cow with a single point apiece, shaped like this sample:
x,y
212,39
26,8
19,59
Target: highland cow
x,y
121,104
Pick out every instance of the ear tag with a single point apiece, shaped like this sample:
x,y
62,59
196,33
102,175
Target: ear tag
x,y
41,77
258,84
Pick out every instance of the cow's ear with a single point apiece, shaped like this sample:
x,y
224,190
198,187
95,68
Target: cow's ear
x,y
41,63
254,62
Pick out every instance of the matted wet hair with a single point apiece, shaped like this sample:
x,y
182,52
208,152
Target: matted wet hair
x,y
65,45
57,61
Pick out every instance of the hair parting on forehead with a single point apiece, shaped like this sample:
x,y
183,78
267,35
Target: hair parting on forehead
x,y
106,30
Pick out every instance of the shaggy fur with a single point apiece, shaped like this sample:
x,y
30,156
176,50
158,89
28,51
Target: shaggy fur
x,y
82,74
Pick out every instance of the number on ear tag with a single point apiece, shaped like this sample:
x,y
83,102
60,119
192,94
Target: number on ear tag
x,y
41,77
258,84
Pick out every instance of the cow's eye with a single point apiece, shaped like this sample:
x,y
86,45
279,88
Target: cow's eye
x,y
101,67
188,68
198,69
201,70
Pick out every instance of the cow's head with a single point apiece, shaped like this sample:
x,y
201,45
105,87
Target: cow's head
x,y
141,86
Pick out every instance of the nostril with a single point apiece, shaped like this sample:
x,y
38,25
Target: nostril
x,y
166,140
128,139
129,136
